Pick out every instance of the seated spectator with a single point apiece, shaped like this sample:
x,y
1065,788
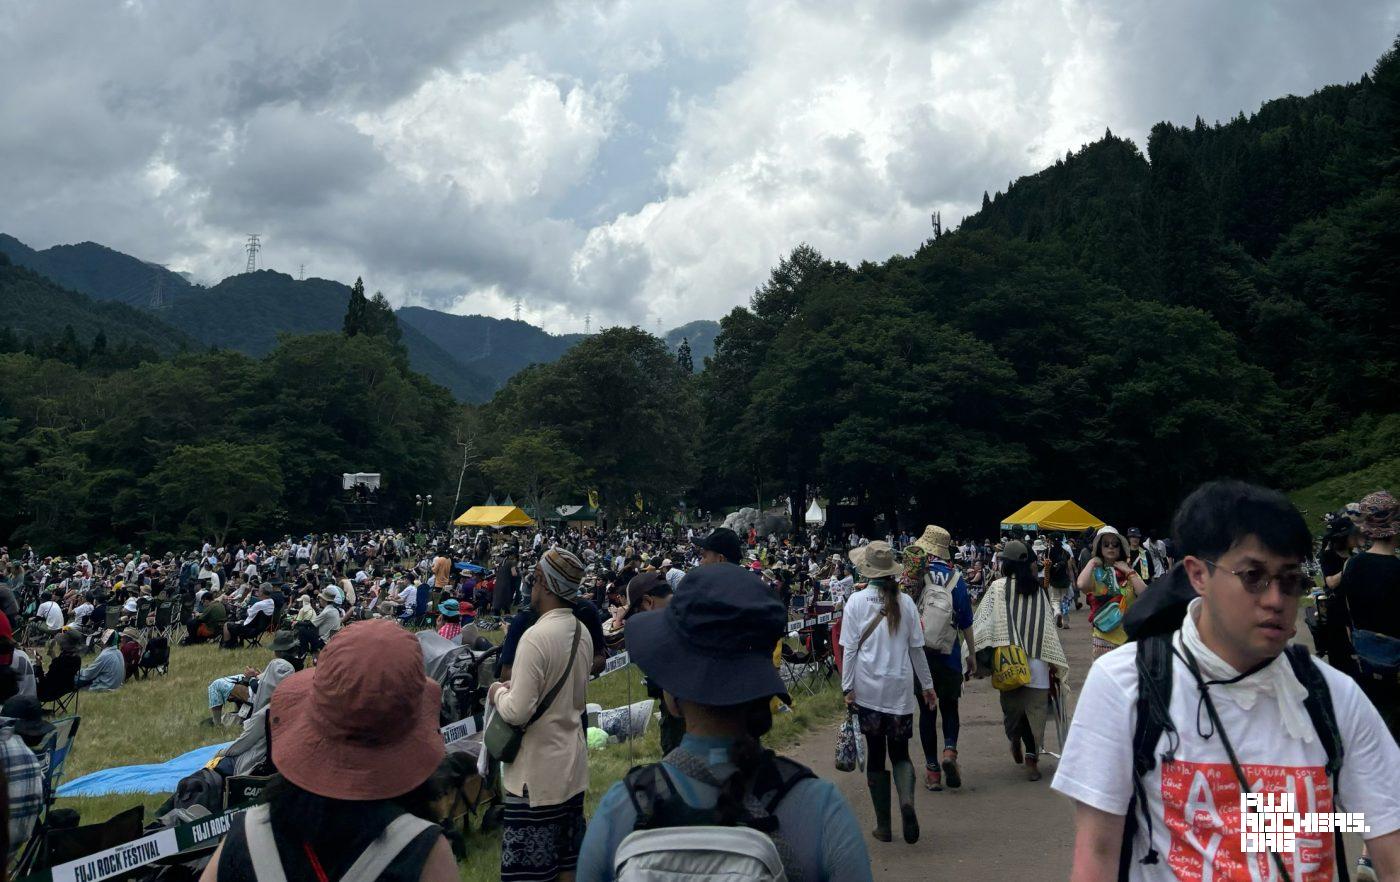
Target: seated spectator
x,y
26,717
327,620
58,680
247,755
449,619
245,691
82,611
131,646
355,745
16,670
25,788
207,623
108,671
236,632
49,615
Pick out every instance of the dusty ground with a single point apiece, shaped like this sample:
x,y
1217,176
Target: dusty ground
x,y
998,825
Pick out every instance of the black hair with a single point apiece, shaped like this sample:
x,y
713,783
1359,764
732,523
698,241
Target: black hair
x,y
1021,574
325,823
1218,515
746,754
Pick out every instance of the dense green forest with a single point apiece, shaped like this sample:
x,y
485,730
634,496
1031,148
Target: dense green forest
x,y
1115,328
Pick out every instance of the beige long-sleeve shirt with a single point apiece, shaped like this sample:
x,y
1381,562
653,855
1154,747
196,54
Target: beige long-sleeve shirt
x,y
553,760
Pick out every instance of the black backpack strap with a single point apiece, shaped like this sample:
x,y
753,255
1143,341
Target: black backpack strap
x,y
656,803
1153,708
1324,721
776,779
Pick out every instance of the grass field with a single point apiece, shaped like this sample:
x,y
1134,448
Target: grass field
x,y
153,720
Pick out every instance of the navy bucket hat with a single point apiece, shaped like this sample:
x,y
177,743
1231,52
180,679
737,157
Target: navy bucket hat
x,y
714,643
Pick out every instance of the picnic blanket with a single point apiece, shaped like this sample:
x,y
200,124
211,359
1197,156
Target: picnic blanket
x,y
152,778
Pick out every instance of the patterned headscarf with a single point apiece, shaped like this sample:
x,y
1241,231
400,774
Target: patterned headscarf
x,y
1379,514
562,572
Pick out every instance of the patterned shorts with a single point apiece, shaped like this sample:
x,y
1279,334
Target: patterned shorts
x,y
878,724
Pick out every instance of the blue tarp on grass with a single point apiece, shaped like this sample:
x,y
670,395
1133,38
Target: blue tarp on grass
x,y
154,778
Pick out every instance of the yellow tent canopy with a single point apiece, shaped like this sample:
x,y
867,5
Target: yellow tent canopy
x,y
1059,516
494,516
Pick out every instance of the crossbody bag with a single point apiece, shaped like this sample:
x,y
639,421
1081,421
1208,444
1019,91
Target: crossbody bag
x,y
502,739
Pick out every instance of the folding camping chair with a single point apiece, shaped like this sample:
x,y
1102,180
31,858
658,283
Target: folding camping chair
x,y
65,732
165,619
64,845
53,755
244,790
67,703
798,669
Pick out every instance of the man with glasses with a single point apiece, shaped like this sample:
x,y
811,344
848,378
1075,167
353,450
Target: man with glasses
x,y
1221,702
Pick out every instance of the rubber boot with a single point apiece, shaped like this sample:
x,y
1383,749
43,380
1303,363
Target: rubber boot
x,y
879,783
904,783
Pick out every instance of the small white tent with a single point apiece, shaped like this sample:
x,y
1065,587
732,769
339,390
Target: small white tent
x,y
815,515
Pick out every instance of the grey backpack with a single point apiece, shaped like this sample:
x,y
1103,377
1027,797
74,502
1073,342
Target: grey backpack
x,y
686,854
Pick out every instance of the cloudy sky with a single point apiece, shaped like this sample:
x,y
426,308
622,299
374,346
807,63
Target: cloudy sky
x,y
639,160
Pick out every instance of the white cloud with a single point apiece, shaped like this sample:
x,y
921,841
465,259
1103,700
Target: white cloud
x,y
624,159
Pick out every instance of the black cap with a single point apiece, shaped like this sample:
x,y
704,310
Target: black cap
x,y
28,717
640,586
723,541
1134,533
713,644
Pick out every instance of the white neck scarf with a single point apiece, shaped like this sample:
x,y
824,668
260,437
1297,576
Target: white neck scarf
x,y
1275,680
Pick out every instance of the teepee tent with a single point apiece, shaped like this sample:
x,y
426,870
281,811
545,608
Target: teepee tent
x,y
815,515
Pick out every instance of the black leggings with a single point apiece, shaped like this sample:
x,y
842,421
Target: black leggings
x,y
879,745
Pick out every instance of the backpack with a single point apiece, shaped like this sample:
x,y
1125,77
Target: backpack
x,y
673,841
936,611
1154,670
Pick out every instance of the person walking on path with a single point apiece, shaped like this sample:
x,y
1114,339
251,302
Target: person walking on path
x,y
1173,727
1370,598
1015,611
884,649
708,652
542,827
1107,579
946,613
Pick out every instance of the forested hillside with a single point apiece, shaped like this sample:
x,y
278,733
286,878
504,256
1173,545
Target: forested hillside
x,y
36,312
249,312
98,271
1113,329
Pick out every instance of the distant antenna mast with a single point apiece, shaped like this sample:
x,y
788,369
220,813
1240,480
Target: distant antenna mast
x,y
588,323
301,277
253,247
517,309
937,224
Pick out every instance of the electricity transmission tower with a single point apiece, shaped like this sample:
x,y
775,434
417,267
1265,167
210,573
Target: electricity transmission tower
x,y
253,247
301,277
587,323
937,218
517,309
158,295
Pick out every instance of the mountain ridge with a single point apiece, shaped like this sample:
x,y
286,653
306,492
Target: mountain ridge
x,y
471,355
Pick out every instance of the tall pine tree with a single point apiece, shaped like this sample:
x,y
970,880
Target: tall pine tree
x,y
357,312
687,364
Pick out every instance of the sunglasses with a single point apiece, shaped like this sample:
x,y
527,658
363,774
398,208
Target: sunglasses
x,y
1291,583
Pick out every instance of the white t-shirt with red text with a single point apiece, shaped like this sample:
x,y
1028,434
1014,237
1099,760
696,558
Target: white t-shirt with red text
x,y
1194,802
